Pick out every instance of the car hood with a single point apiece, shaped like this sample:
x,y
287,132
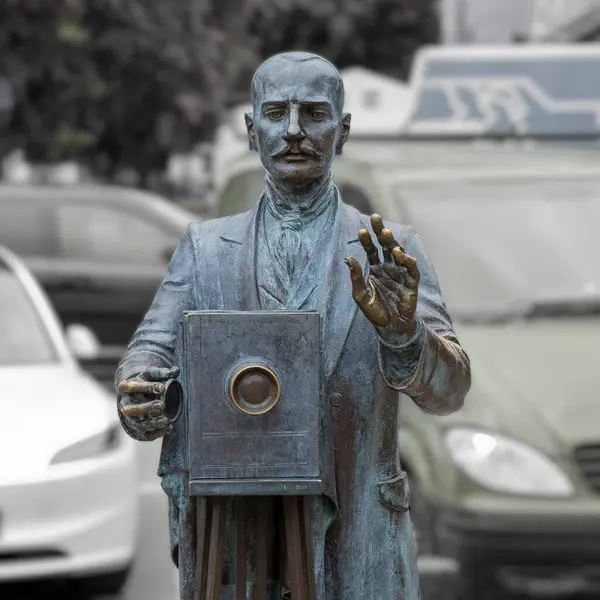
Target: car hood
x,y
43,410
537,380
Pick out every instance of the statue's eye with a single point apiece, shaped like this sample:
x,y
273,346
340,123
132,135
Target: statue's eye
x,y
275,115
318,115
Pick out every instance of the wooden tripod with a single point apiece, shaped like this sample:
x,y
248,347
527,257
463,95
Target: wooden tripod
x,y
286,516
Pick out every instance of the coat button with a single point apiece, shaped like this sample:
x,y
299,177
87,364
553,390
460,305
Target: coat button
x,y
335,400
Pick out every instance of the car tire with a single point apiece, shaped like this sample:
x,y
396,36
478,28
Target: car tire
x,y
422,518
105,584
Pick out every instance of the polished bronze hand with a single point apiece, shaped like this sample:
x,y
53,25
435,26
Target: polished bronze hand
x,y
142,402
389,297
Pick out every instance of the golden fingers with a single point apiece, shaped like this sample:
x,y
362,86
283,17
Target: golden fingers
x,y
142,409
133,386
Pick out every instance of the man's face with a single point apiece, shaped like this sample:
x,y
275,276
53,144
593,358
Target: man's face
x,y
297,120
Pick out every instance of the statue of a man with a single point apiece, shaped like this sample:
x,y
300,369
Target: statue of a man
x,y
384,326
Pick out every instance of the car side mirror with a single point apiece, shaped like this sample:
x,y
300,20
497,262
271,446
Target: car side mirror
x,y
82,341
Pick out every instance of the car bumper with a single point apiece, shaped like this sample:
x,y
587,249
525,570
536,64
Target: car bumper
x,y
541,557
81,519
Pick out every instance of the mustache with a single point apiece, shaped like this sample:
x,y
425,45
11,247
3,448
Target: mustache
x,y
296,149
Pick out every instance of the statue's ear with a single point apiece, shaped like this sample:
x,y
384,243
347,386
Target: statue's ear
x,y
251,133
344,134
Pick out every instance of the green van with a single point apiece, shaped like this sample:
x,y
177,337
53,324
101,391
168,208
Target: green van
x,y
509,486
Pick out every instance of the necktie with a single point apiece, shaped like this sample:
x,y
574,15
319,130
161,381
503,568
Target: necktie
x,y
289,247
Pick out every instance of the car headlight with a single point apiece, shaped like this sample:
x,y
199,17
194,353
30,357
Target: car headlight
x,y
504,465
89,447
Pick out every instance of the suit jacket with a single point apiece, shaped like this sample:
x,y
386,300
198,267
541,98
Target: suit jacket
x,y
363,539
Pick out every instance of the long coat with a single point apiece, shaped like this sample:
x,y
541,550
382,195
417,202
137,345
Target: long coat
x,y
363,538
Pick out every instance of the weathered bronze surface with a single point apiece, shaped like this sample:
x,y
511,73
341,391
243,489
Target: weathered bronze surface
x,y
385,330
235,447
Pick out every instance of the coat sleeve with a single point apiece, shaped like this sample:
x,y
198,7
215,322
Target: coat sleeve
x,y
155,340
431,367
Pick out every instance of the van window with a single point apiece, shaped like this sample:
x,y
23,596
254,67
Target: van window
x,y
490,241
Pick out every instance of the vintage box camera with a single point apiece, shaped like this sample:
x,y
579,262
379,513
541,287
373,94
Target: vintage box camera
x,y
252,390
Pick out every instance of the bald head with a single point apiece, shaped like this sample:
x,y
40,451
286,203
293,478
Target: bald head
x,y
297,124
301,71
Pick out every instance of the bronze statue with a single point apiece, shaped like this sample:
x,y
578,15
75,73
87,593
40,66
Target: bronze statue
x,y
301,248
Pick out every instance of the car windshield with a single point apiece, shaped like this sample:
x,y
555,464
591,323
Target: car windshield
x,y
23,337
507,248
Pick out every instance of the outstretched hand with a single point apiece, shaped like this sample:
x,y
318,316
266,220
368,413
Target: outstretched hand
x,y
144,415
389,296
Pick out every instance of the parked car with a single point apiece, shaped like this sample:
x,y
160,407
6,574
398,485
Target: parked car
x,y
100,252
509,486
68,475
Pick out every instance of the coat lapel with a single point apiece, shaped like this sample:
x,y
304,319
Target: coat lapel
x,y
237,253
336,305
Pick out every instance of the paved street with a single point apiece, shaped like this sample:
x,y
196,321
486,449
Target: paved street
x,y
154,576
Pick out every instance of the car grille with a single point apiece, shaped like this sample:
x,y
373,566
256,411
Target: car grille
x,y
588,459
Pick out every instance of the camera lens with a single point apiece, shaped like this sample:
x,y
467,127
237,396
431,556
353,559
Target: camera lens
x,y
255,387
254,390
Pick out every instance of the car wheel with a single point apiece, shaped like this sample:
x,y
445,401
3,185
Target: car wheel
x,y
422,519
106,584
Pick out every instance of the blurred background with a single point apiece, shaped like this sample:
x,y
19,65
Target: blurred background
x,y
475,121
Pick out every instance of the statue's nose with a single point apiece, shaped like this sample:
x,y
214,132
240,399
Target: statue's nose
x,y
294,131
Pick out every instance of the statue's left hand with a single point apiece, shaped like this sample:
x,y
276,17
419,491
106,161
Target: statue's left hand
x,y
389,297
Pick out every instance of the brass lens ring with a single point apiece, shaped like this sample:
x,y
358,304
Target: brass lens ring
x,y
254,389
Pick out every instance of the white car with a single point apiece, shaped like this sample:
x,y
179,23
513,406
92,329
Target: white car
x,y
68,474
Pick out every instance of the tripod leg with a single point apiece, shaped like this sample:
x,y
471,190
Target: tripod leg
x,y
214,559
240,548
293,542
262,547
187,549
202,516
307,547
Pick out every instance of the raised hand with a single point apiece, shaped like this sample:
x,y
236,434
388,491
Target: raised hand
x,y
142,414
389,297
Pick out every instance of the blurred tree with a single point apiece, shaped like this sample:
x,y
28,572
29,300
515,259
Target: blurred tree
x,y
378,34
124,83
224,40
207,39
89,88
